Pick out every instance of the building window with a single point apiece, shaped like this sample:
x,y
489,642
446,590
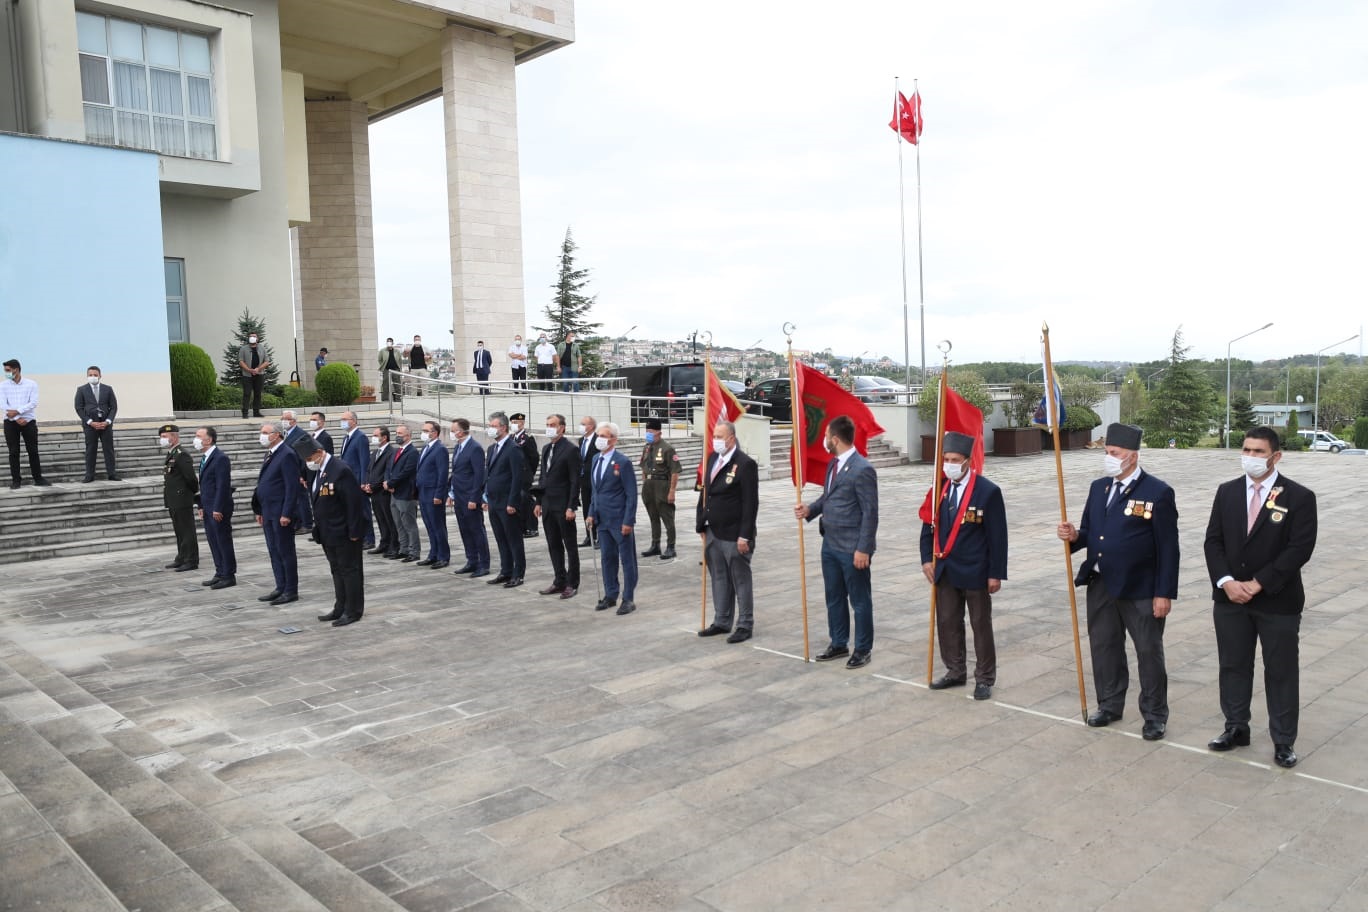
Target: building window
x,y
177,317
147,87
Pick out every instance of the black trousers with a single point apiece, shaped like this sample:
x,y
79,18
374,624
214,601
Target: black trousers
x,y
529,517
508,535
1238,629
562,543
950,607
105,439
349,585
1109,620
187,542
520,378
546,372
29,434
389,533
252,385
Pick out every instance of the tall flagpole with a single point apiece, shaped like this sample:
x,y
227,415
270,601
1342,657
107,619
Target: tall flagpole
x,y
1052,416
902,229
936,504
796,458
703,477
921,285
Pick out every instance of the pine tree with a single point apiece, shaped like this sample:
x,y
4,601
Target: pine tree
x,y
569,309
1184,404
1241,418
248,325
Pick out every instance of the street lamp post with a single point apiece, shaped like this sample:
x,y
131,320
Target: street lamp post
x,y
1228,345
1149,381
1316,419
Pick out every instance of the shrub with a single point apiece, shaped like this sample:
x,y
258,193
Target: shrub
x,y
193,380
1025,400
1294,442
337,384
295,397
1361,433
967,383
1080,418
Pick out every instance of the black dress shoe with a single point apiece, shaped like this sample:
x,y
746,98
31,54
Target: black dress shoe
x,y
858,659
42,483
226,582
210,581
946,681
668,554
375,551
468,568
171,566
344,621
285,599
331,616
1284,756
713,630
1102,718
652,551
88,479
605,603
479,573
407,559
740,636
832,652
393,555
584,544
569,592
186,568
15,486
1228,739
440,565
627,607
531,533
115,478
514,583
1153,731
270,596
426,562
983,691
499,580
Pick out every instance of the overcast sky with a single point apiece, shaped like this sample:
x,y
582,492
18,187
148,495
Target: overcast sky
x,y
1116,169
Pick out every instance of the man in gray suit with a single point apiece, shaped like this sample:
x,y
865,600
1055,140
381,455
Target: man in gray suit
x,y
849,507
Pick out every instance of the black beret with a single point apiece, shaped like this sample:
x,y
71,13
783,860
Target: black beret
x,y
1125,436
652,424
517,416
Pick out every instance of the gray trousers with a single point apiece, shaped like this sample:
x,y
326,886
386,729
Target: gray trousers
x,y
405,514
731,583
1109,620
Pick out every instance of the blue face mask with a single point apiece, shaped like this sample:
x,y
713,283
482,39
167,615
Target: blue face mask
x,y
650,436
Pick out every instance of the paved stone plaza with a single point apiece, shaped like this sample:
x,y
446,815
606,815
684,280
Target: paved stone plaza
x,y
471,747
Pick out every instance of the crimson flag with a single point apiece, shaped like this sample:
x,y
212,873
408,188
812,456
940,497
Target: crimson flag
x,y
907,116
816,400
721,405
964,418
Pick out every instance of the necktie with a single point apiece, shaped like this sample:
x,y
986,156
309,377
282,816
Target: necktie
x,y
1115,490
954,497
397,454
831,475
717,467
603,466
1255,503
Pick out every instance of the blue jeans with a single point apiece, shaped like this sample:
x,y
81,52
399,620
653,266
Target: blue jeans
x,y
571,380
612,546
846,584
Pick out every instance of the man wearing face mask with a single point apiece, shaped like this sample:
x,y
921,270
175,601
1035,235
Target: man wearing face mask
x,y
418,368
434,480
659,477
318,430
570,361
587,452
727,510
293,433
401,481
1261,532
546,362
613,514
96,406
390,366
216,508
382,456
1130,530
19,400
339,525
517,431
964,555
275,503
356,454
557,496
849,511
503,493
466,493
252,360
517,360
180,484
483,362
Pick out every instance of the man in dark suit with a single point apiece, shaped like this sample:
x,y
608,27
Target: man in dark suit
x,y
849,511
216,507
503,501
1261,532
180,485
1131,581
388,545
727,508
318,429
401,481
483,362
527,445
434,481
466,495
339,524
289,425
356,454
276,503
964,556
613,514
557,496
96,406
587,452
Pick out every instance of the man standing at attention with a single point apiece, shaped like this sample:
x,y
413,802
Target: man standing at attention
x,y
390,382
96,406
587,452
659,477
571,361
1130,529
401,481
1261,532
318,430
965,557
613,514
727,509
467,491
517,360
433,479
180,484
252,361
418,367
503,493
275,503
339,524
19,399
388,543
557,496
484,361
849,511
546,362
527,446
356,454
216,508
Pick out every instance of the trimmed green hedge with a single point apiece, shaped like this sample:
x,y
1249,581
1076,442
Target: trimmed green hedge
x,y
337,384
193,378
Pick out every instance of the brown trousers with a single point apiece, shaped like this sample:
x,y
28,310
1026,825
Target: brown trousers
x,y
950,605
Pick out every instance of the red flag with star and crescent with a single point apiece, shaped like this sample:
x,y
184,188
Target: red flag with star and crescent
x,y
907,116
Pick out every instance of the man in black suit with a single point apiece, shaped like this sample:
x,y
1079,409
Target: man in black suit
x,y
467,481
727,507
381,456
587,452
1261,532
483,362
96,406
401,481
503,501
340,527
292,432
318,429
557,496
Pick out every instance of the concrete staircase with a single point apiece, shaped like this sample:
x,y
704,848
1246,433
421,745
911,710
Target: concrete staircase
x,y
96,814
881,454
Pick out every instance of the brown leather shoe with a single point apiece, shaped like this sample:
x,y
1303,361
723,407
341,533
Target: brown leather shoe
x,y
568,592
550,590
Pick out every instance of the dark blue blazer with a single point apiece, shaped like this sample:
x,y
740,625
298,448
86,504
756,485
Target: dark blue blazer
x,y
434,472
483,362
467,472
338,514
356,454
401,474
503,476
216,484
1137,557
615,494
980,551
278,489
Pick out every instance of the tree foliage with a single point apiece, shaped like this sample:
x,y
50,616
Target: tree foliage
x,y
969,384
192,378
1342,397
1025,398
1184,403
248,325
570,308
1134,399
1241,418
337,384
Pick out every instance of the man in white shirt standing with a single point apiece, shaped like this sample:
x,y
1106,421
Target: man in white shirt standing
x,y
546,361
517,359
19,399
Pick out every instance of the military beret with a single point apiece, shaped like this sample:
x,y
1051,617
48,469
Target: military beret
x,y
517,416
305,446
652,424
1125,436
169,429
955,442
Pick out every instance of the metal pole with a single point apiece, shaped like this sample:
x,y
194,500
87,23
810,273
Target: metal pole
x,y
921,285
1228,345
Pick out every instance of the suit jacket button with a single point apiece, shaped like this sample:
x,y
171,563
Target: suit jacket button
x,y
1101,538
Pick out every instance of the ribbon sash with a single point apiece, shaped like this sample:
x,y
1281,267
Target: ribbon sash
x,y
959,516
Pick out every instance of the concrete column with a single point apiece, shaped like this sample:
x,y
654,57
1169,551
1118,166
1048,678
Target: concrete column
x,y
336,274
479,99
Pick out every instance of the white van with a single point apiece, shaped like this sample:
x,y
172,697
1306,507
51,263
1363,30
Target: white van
x,y
1323,440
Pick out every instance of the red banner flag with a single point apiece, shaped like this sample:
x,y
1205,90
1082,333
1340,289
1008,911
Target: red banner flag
x,y
816,401
907,116
721,404
964,418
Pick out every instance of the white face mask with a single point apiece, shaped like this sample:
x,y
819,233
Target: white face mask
x,y
199,444
425,436
515,427
1111,466
252,340
417,341
264,440
719,445
164,441
94,381
552,431
286,424
601,443
1254,466
313,425
375,441
451,434
492,431
954,470
314,466
517,341
586,430
344,424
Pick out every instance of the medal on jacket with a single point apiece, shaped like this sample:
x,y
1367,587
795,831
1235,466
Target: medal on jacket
x,y
1276,511
731,475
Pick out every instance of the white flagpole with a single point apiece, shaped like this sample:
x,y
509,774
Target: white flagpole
x,y
921,285
902,228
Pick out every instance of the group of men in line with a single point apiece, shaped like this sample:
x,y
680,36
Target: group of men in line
x,y
563,360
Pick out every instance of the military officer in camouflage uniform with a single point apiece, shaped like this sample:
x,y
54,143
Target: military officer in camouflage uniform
x,y
659,476
181,485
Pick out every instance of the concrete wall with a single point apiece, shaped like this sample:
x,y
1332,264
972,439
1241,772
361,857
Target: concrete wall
x,y
76,291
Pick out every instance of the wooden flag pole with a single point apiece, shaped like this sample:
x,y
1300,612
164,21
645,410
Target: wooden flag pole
x,y
796,458
1052,416
703,478
936,488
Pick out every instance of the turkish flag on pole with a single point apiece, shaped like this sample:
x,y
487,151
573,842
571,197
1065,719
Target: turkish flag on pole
x,y
816,401
907,116
721,405
966,419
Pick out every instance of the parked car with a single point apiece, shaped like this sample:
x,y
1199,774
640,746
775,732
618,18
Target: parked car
x,y
665,391
1323,440
771,398
869,388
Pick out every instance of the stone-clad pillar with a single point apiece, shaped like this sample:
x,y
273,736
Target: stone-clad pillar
x,y
336,247
479,97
